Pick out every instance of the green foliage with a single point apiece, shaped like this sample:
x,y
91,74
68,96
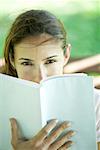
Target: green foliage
x,y
5,23
83,33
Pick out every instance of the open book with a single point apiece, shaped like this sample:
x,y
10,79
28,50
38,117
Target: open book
x,y
66,97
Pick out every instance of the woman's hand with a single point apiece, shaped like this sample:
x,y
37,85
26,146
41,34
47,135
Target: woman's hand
x,y
44,140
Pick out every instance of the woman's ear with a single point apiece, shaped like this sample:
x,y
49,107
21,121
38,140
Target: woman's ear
x,y
67,54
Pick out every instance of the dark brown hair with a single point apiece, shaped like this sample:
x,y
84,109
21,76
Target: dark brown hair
x,y
31,23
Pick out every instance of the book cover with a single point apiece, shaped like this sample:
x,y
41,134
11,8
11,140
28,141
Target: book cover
x,y
66,97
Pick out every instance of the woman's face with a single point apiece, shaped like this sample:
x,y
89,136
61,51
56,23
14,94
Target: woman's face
x,y
38,57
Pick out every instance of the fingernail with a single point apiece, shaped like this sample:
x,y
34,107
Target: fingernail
x,y
73,133
71,122
72,143
52,120
68,123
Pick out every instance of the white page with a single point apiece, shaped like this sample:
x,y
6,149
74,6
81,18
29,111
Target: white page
x,y
19,99
71,98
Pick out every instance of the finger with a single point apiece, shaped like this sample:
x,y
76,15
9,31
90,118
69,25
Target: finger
x,y
66,146
63,140
15,131
50,139
45,131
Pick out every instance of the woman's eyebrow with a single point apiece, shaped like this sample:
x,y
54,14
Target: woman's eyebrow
x,y
33,60
50,57
25,59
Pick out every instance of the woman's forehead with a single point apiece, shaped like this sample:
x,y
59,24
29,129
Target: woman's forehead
x,y
31,48
43,40
38,47
38,53
43,50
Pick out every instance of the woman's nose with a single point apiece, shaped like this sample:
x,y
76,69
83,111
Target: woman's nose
x,y
40,75
37,79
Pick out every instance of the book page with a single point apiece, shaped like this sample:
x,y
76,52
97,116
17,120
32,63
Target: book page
x,y
21,100
71,98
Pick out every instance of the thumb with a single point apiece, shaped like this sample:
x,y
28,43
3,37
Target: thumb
x,y
16,135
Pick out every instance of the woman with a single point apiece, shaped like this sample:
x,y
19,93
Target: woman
x,y
36,48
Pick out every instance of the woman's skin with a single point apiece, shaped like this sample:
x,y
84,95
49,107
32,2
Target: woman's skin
x,y
36,58
42,141
39,57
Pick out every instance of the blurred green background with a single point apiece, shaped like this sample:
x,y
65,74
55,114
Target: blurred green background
x,y
81,19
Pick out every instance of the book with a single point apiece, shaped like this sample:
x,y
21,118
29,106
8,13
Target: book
x,y
65,97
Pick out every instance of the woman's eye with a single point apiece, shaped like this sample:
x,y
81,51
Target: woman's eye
x,y
26,64
50,61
